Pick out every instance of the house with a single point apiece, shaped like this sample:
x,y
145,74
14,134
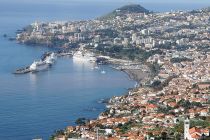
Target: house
x,y
204,112
203,85
108,131
151,107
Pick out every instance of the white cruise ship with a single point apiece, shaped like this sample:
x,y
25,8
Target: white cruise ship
x,y
38,65
50,59
85,56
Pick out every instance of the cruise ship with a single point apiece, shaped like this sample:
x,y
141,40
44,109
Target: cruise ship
x,y
82,55
38,66
50,59
47,60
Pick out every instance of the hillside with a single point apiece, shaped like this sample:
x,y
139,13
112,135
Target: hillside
x,y
133,8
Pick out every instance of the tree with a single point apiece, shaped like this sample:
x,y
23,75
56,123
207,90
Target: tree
x,y
125,127
156,83
179,128
81,121
164,136
73,135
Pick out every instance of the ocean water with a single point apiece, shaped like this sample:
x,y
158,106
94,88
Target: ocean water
x,y
36,104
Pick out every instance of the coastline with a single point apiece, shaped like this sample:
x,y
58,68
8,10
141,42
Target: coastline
x,y
136,75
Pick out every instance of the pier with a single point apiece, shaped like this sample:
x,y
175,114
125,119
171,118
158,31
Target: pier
x,y
22,70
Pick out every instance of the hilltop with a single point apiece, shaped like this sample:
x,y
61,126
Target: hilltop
x,y
132,8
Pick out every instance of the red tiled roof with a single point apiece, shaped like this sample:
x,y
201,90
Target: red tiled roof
x,y
151,106
172,104
195,136
194,130
205,130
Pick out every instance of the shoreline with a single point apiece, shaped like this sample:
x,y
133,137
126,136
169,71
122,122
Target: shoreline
x,y
136,75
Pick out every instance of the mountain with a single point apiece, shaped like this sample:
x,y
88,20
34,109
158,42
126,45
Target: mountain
x,y
134,8
127,9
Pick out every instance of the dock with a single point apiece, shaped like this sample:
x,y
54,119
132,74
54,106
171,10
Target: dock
x,y
22,70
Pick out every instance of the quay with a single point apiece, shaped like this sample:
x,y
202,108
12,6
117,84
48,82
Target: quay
x,y
23,70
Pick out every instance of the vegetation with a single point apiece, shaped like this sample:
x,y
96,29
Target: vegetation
x,y
107,33
131,53
156,84
125,127
132,8
81,121
73,135
201,123
164,110
187,104
154,68
58,42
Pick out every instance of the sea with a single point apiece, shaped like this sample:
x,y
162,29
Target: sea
x,y
36,104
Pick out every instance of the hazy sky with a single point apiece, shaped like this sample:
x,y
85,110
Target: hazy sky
x,y
132,1
154,5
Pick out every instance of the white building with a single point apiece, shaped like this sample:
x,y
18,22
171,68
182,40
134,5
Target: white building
x,y
134,37
193,133
186,128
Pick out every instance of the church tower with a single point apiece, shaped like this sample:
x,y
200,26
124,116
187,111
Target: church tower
x,y
186,128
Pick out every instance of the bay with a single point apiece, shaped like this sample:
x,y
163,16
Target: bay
x,y
37,104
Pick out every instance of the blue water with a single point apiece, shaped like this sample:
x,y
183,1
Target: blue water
x,y
37,104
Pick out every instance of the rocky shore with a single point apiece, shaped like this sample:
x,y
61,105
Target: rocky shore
x,y
136,75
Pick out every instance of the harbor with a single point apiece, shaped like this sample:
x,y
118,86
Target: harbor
x,y
46,61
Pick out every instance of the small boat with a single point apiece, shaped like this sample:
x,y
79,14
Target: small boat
x,y
96,67
103,72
